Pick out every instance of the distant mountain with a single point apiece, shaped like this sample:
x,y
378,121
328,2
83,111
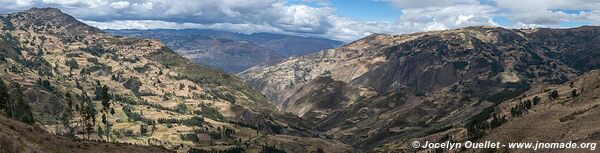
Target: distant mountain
x,y
382,92
233,52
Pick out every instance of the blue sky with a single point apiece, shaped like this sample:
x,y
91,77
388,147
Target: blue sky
x,y
366,10
345,20
373,10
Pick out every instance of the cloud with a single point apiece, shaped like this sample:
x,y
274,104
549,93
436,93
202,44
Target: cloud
x,y
315,17
11,5
119,4
157,24
549,12
439,18
408,4
297,19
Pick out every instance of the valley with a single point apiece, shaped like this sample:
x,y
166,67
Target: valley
x,y
232,52
69,87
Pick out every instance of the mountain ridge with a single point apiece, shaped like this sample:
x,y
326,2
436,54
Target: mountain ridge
x,y
155,97
415,86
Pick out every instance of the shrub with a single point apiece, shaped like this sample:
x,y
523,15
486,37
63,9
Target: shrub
x,y
72,63
574,93
226,96
189,137
210,112
143,129
536,100
181,108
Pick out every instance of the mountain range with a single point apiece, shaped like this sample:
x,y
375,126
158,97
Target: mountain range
x,y
79,88
384,91
229,51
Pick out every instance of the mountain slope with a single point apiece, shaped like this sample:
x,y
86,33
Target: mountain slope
x,y
156,97
232,52
569,117
426,85
19,137
280,80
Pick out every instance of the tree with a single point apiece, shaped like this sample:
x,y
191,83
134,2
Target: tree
x,y
153,127
98,91
68,113
4,97
105,97
553,94
88,113
528,104
78,85
19,108
143,129
100,131
14,105
574,93
536,100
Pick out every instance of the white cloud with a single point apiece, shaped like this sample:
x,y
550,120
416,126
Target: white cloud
x,y
549,12
14,4
120,4
408,4
78,3
157,24
301,17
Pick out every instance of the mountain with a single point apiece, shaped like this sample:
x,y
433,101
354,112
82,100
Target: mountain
x,y
382,92
232,52
88,85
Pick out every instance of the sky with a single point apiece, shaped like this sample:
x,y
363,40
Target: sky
x,y
344,20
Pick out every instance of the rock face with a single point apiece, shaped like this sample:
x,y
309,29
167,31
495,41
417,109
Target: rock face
x,y
383,90
233,52
158,97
